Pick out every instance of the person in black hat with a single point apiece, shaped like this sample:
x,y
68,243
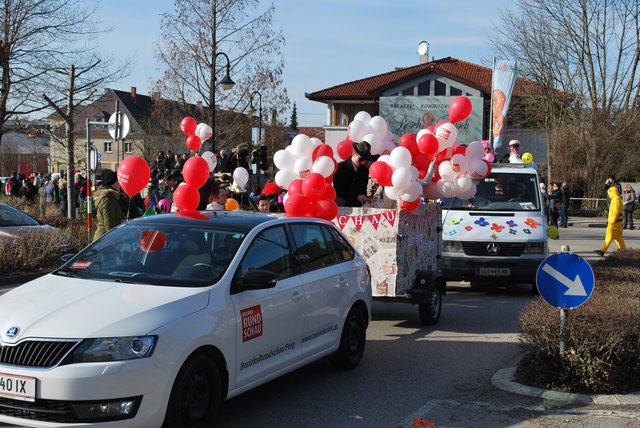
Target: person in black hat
x,y
612,182
107,203
352,175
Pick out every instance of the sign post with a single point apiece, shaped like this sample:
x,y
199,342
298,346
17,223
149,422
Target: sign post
x,y
565,281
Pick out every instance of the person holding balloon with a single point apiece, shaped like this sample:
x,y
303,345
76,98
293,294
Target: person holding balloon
x,y
352,176
107,204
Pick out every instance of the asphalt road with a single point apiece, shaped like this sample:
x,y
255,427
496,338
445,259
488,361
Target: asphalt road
x,y
413,375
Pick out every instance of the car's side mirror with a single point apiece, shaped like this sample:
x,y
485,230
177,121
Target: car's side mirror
x,y
256,279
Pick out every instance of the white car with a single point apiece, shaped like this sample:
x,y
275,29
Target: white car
x,y
14,222
166,316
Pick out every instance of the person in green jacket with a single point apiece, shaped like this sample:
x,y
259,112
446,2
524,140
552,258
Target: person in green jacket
x,y
107,206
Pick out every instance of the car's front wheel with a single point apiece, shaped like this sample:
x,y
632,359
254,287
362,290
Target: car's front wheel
x,y
430,311
196,395
352,341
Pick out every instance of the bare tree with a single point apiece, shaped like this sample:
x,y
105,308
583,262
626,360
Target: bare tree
x,y
196,33
584,55
38,37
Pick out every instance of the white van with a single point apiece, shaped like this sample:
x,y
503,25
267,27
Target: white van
x,y
498,237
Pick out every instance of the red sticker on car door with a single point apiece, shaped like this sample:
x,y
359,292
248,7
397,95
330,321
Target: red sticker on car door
x,y
251,322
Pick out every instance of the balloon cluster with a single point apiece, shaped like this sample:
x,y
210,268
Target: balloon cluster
x,y
457,172
196,133
373,130
195,172
306,169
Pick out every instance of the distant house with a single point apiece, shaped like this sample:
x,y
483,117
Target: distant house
x,y
419,85
24,153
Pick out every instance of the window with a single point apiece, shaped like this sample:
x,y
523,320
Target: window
x,y
454,91
424,88
339,248
311,247
107,147
408,92
269,251
128,146
440,88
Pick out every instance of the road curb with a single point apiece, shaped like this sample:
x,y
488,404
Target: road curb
x,y
503,379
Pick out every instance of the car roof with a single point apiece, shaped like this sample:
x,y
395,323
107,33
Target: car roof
x,y
241,221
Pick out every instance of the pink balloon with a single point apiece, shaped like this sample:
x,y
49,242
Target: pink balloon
x,y
188,126
186,197
133,174
195,171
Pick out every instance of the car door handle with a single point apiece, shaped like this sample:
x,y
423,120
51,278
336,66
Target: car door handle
x,y
296,296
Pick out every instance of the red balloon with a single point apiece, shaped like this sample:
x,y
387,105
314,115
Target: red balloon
x,y
314,186
195,171
459,109
428,145
409,206
409,142
133,174
345,148
329,194
327,210
194,142
329,179
295,187
322,150
459,150
488,167
188,126
296,206
152,241
381,173
186,197
421,164
194,215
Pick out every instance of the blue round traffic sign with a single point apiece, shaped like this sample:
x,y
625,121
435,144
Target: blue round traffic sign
x,y
565,280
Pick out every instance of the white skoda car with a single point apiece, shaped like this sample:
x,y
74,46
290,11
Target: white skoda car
x,y
166,316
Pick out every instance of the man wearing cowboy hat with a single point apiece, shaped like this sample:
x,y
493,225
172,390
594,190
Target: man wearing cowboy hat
x,y
352,175
512,156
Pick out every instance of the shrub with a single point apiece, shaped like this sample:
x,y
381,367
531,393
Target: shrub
x,y
603,350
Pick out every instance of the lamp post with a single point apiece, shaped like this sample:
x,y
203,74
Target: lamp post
x,y
226,84
252,111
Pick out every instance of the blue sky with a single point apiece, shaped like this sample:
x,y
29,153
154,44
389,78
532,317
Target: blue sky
x,y
328,42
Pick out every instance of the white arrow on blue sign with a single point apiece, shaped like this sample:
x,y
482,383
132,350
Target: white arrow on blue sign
x,y
565,280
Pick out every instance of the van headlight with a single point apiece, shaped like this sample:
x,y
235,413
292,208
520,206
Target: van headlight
x,y
113,349
452,247
535,248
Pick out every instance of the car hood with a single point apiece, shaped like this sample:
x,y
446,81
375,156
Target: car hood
x,y
53,306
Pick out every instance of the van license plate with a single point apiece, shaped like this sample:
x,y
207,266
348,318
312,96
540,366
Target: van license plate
x,y
18,387
493,271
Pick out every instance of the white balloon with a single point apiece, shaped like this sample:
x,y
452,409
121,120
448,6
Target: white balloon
x,y
301,146
415,174
446,171
467,194
323,166
390,193
374,142
284,159
475,150
302,167
446,187
400,157
447,133
477,169
203,131
240,176
401,179
362,116
463,184
413,192
384,158
423,132
357,130
211,159
389,146
315,142
378,123
459,163
284,177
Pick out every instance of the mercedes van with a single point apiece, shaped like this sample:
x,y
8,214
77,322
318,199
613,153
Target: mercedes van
x,y
499,236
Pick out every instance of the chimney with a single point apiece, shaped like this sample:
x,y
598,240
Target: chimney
x,y
134,92
423,51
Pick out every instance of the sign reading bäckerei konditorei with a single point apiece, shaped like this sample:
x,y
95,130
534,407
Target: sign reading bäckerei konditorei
x,y
406,115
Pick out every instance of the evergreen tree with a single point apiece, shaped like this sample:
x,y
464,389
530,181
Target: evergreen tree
x,y
293,125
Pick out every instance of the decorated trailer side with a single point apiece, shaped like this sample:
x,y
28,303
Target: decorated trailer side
x,y
402,250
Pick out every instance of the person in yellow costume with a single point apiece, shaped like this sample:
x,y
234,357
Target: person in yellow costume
x,y
614,222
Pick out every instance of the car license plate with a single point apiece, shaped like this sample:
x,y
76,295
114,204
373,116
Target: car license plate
x,y
17,387
492,271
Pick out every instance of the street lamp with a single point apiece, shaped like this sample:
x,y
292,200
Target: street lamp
x,y
252,111
226,84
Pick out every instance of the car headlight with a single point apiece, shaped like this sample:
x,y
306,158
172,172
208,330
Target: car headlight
x,y
535,247
452,247
114,349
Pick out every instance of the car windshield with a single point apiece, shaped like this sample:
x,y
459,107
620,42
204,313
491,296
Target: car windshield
x,y
10,216
157,254
500,192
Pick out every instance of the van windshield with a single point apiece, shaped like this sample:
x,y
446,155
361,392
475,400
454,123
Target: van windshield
x,y
501,191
